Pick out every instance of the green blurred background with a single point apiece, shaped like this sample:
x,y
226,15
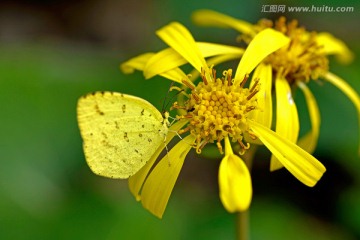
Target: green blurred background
x,y
52,52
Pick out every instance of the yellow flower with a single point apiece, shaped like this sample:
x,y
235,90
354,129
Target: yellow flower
x,y
303,59
217,110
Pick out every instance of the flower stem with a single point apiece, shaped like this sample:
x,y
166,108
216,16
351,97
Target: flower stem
x,y
243,224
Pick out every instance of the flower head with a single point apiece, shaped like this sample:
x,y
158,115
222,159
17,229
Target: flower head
x,y
217,110
304,58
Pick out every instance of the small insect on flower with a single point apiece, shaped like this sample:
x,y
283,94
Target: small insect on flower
x,y
120,132
216,110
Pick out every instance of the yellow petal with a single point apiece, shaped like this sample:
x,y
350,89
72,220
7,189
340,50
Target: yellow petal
x,y
160,183
309,141
287,119
301,164
176,75
136,181
140,62
348,91
168,59
345,88
162,62
211,18
213,49
332,45
136,63
264,114
223,58
263,44
181,40
234,183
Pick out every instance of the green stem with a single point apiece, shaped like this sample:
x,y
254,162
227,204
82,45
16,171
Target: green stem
x,y
243,224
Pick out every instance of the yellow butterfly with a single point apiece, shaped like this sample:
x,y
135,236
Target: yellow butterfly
x,y
120,132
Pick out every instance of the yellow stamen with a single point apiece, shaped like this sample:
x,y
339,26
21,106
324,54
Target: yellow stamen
x,y
246,77
188,83
301,60
218,109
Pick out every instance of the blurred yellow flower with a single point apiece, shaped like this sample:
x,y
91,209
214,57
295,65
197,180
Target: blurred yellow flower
x,y
217,110
303,59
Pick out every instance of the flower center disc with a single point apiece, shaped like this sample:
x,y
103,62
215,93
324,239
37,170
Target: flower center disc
x,y
219,109
303,59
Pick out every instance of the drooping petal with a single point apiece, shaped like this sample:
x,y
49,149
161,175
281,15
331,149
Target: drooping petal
x,y
168,59
298,162
136,181
332,45
309,141
287,119
264,115
181,40
136,63
263,44
345,88
348,91
234,182
160,183
206,17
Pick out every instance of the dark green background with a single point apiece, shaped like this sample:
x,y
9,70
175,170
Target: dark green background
x,y
52,52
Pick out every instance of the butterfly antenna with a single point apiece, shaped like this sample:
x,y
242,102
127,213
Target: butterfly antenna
x,y
166,103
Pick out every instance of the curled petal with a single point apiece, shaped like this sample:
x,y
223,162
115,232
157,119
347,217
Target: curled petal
x,y
234,182
309,141
345,88
211,18
160,183
348,91
287,119
264,43
136,181
332,45
298,162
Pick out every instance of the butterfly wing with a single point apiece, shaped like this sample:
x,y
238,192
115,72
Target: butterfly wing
x,y
120,132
